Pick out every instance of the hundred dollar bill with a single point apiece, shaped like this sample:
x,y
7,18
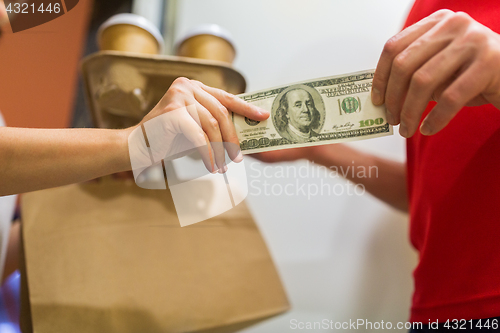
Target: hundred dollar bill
x,y
323,111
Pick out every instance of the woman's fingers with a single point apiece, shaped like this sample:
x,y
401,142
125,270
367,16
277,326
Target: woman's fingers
x,y
190,126
235,104
208,109
223,117
211,127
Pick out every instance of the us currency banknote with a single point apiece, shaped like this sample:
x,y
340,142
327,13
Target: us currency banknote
x,y
323,111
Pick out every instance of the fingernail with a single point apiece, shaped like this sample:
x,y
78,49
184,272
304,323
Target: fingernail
x,y
238,157
425,129
376,97
403,130
264,112
212,168
223,169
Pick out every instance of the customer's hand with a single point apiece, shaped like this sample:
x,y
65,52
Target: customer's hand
x,y
447,57
191,114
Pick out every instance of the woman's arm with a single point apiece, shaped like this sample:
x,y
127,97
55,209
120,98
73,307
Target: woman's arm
x,y
34,159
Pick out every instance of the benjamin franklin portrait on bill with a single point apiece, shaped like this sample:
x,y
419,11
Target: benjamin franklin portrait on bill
x,y
298,113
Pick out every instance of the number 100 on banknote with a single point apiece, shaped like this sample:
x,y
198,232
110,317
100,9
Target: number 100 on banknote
x,y
322,111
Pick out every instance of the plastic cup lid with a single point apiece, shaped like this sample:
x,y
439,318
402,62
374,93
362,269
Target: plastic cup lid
x,y
136,20
208,29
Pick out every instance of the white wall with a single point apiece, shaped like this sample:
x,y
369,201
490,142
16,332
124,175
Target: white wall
x,y
340,257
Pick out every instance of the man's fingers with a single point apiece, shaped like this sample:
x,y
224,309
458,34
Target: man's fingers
x,y
396,45
439,70
405,65
223,117
235,104
464,89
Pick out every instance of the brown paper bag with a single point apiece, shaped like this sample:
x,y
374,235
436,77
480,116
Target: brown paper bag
x,y
111,257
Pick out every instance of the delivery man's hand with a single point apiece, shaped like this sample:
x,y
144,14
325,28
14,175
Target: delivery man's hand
x,y
447,57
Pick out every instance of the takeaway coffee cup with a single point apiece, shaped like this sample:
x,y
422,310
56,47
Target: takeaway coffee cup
x,y
210,42
130,33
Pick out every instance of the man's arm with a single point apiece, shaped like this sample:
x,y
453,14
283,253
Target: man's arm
x,y
387,181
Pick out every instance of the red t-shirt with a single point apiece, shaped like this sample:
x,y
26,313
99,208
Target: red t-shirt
x,y
454,193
